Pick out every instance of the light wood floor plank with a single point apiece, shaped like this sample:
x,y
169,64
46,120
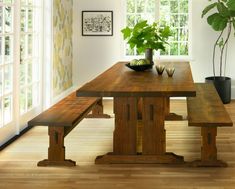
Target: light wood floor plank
x,y
93,137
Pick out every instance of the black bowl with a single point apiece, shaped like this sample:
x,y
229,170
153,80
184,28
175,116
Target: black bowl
x,y
140,68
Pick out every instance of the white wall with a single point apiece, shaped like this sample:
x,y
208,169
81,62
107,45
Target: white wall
x,y
92,55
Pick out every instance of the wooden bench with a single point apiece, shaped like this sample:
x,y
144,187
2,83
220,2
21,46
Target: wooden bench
x,y
61,119
207,111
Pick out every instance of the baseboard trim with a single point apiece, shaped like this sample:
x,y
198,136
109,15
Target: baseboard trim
x,y
25,130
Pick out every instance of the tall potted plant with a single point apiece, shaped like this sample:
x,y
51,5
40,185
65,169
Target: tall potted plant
x,y
147,37
221,19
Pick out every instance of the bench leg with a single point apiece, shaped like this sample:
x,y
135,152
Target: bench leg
x,y
98,111
56,150
208,149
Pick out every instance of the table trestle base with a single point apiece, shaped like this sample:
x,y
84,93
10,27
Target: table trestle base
x,y
167,158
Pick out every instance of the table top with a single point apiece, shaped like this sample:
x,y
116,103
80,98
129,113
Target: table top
x,y
120,80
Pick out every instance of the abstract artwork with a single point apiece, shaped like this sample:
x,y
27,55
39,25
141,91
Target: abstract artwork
x,y
97,23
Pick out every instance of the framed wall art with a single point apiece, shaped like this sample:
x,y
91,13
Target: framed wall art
x,y
97,23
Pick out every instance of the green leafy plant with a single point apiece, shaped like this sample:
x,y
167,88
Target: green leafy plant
x,y
144,36
221,19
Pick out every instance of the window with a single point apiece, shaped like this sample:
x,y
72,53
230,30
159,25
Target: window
x,y
20,62
29,55
174,13
6,61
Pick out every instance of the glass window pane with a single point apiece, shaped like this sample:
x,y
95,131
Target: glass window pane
x,y
174,6
183,20
151,6
7,109
29,98
1,18
8,19
138,18
165,6
130,6
23,19
22,47
174,36
22,74
184,6
174,21
174,49
130,20
30,45
140,6
166,52
183,34
8,49
30,71
8,79
22,101
30,19
183,48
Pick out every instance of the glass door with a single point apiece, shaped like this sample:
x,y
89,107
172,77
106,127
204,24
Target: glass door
x,y
6,63
20,64
30,59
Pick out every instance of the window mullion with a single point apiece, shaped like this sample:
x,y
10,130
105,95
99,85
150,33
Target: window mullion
x,y
16,63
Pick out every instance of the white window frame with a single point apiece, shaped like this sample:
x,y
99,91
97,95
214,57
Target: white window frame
x,y
23,119
157,56
19,122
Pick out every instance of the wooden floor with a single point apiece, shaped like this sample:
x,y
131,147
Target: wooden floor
x,y
94,137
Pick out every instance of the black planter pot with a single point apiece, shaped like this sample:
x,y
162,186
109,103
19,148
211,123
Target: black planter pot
x,y
223,87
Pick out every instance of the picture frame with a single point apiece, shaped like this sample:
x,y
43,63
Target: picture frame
x,y
97,23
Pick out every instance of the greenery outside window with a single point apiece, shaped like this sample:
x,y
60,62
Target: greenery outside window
x,y
174,13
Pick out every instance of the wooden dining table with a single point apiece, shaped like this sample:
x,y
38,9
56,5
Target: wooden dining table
x,y
127,87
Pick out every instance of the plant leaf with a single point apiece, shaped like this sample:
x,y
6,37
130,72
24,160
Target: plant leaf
x,y
126,32
232,13
231,5
217,22
166,32
208,8
223,10
141,25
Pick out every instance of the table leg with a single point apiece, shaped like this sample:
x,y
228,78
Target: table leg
x,y
124,141
56,150
125,134
154,136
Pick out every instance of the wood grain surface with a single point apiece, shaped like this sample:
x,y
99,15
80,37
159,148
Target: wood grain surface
x,y
94,136
206,109
119,80
68,112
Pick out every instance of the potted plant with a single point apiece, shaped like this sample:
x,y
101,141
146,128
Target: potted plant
x,y
147,37
222,19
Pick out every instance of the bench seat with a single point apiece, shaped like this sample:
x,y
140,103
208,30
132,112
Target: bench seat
x,y
207,111
61,119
